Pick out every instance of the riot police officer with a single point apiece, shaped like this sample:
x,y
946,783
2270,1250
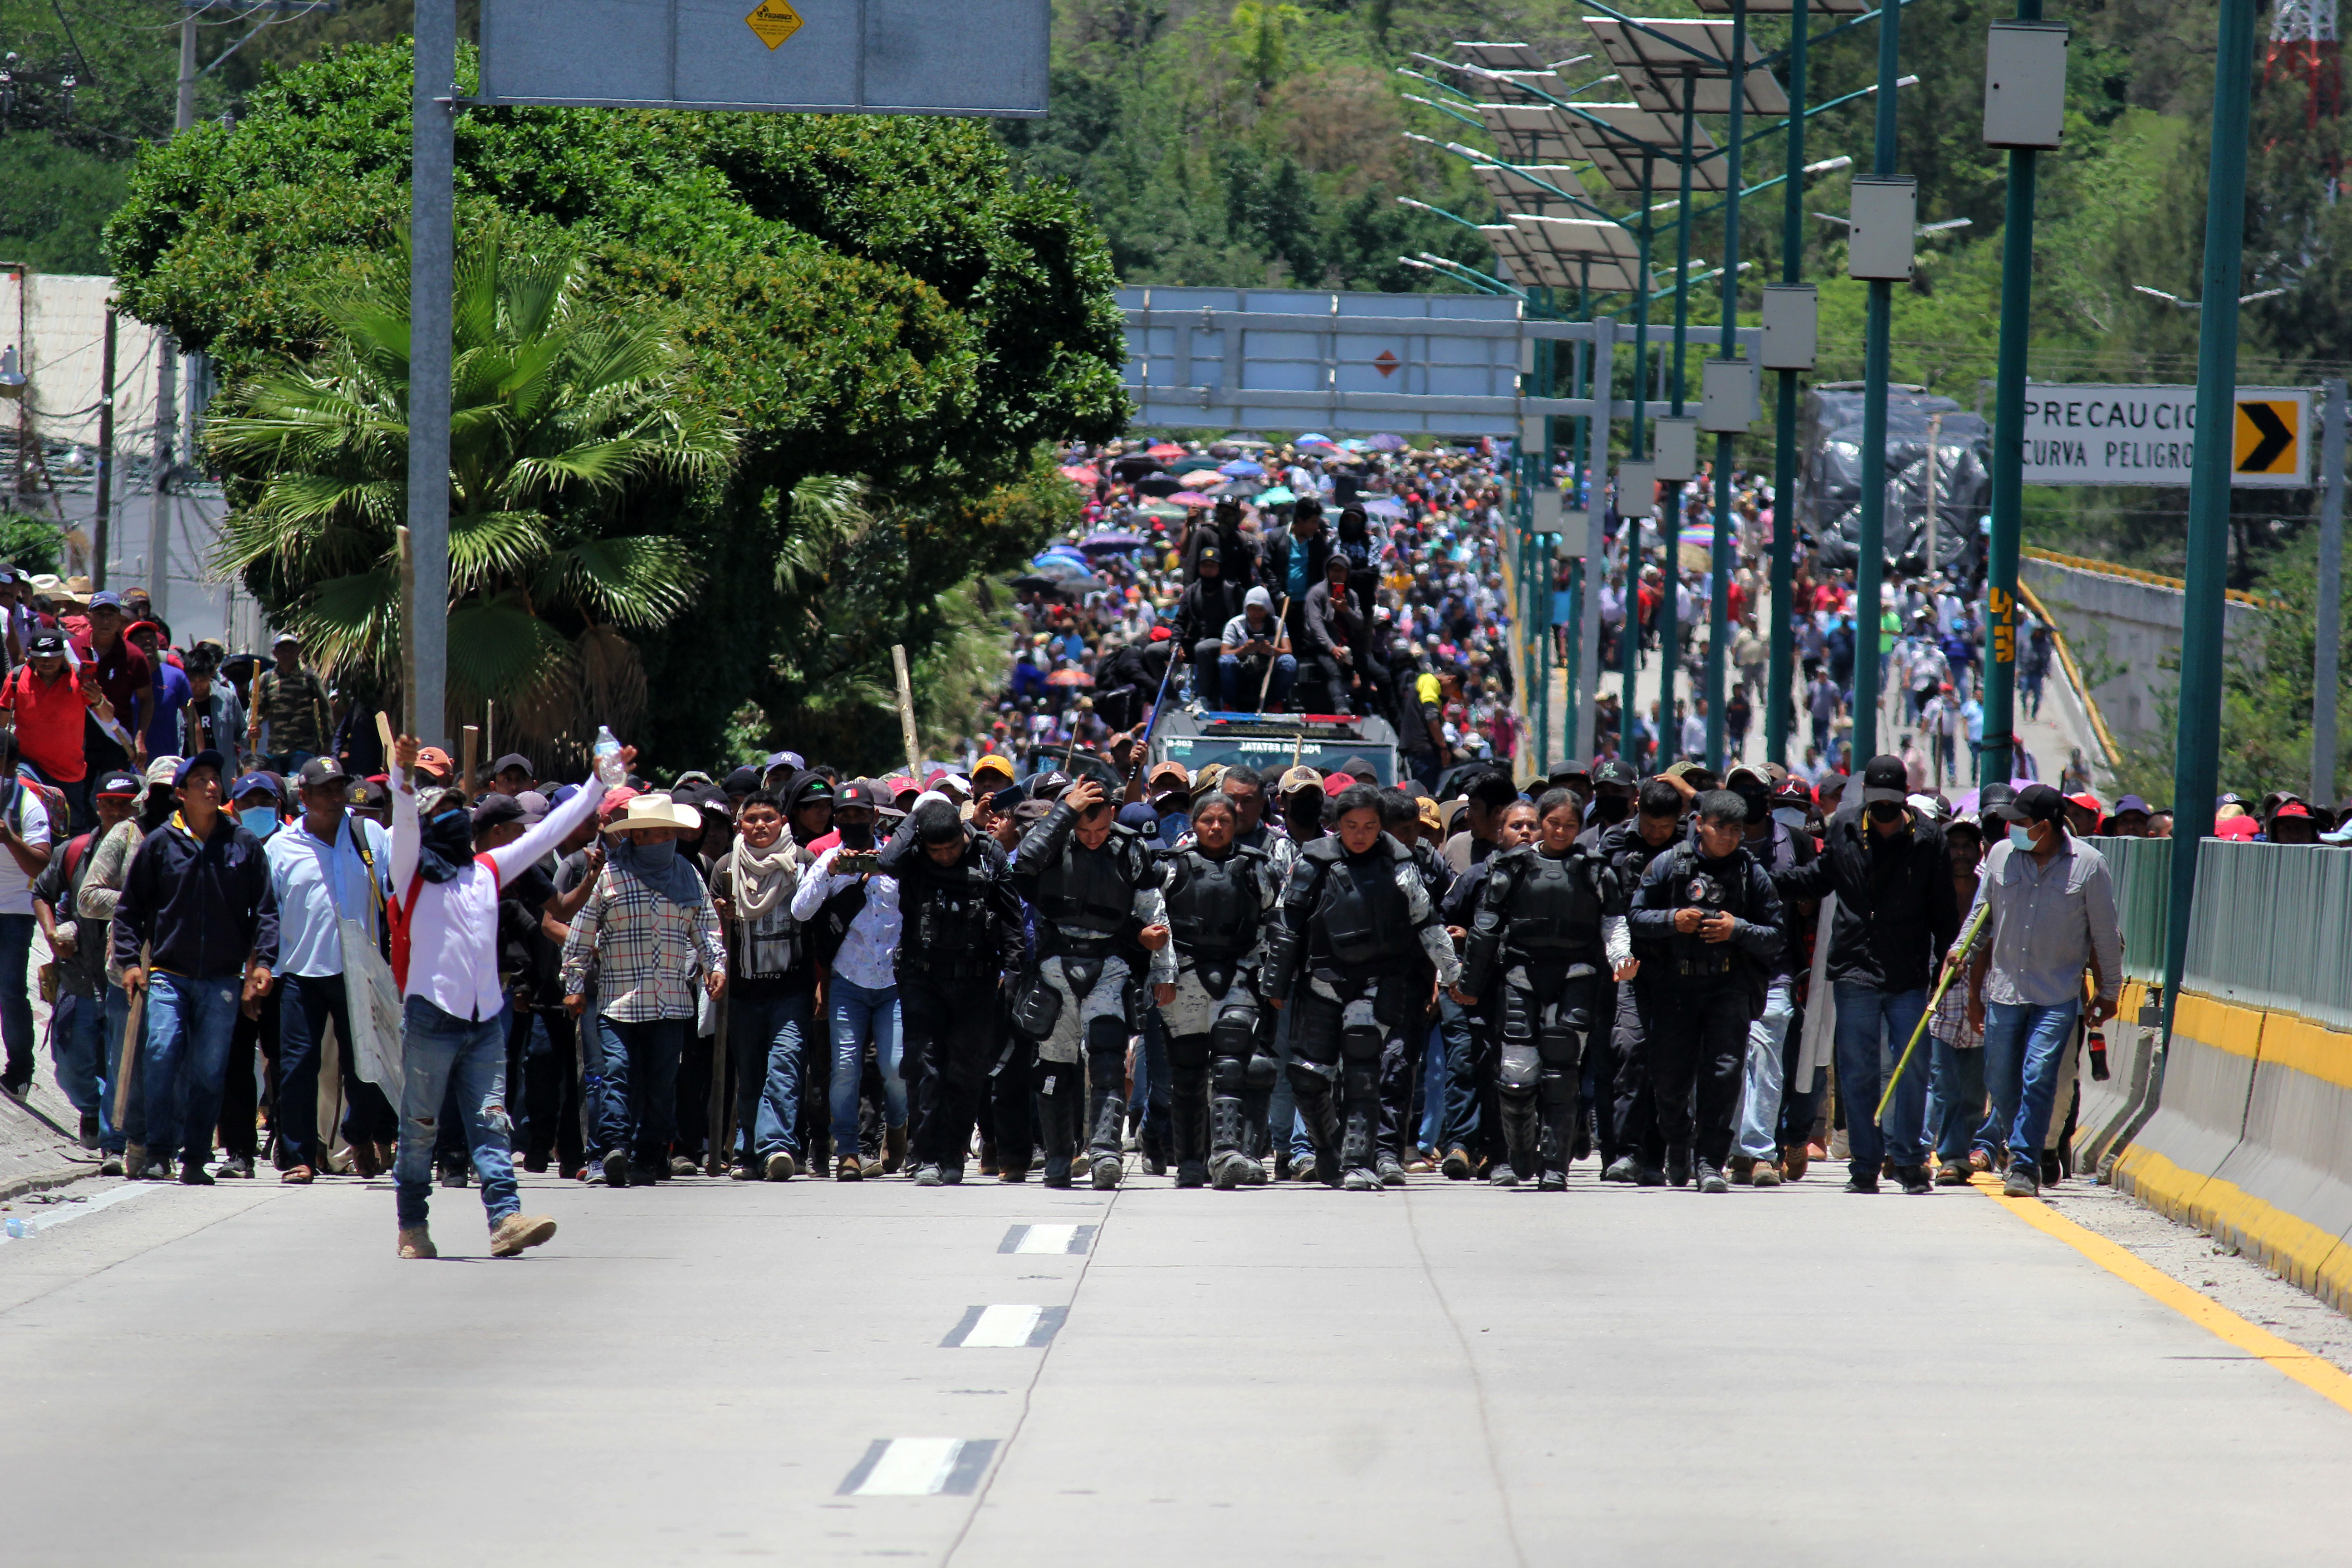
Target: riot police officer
x,y
1353,912
1628,1105
1219,894
1549,914
960,932
1089,881
1713,907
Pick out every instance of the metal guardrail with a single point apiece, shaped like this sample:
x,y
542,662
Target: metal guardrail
x,y
2272,927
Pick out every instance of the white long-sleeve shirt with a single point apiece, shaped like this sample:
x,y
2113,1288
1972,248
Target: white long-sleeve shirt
x,y
453,930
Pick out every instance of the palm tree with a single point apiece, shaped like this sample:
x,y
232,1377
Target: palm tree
x,y
566,427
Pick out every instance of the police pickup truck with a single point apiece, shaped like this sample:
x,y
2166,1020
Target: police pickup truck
x,y
1273,744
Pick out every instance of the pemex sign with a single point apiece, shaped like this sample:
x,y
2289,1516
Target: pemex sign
x,y
2103,435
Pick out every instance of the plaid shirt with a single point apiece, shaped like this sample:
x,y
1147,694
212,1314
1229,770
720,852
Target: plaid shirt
x,y
644,948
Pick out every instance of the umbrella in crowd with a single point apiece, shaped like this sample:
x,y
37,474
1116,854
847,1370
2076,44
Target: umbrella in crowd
x,y
1241,468
1189,498
1080,475
1280,495
1059,568
1159,485
1383,506
1101,541
1387,442
1069,678
1202,478
1312,440
1166,451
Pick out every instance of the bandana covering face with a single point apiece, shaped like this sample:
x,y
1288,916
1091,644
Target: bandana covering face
x,y
658,867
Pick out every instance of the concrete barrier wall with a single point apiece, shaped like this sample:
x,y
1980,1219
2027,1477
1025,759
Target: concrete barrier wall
x,y
2109,1108
2252,1140
2120,625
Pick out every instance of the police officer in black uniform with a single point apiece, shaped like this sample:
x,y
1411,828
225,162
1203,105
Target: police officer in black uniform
x,y
1353,912
1089,881
1550,915
1219,895
960,932
1629,1117
1402,1060
1713,908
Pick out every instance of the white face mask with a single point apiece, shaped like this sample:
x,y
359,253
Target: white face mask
x,y
2021,838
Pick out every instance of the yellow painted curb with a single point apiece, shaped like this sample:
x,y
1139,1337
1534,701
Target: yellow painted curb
x,y
2315,1372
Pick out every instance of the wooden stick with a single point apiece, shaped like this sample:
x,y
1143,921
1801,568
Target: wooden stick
x,y
715,1159
1281,633
907,712
469,752
131,1034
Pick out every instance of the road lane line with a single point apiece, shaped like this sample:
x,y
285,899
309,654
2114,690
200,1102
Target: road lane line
x,y
24,1226
920,1467
1054,1238
2316,1372
1005,1328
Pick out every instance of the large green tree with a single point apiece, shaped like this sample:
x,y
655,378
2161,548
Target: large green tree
x,y
860,295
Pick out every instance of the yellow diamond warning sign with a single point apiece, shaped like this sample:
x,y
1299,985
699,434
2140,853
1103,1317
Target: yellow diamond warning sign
x,y
774,21
2269,438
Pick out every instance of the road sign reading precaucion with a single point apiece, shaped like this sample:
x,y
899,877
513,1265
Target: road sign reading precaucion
x,y
2097,435
775,22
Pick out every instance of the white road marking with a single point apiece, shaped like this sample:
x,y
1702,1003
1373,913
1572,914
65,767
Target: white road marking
x,y
33,1218
1048,1238
920,1467
1005,1328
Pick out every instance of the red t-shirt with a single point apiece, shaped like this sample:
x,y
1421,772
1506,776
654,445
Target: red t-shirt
x,y
49,718
122,673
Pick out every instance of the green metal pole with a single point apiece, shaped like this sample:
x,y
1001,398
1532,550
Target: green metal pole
x,y
2197,745
1718,609
1671,519
1778,710
1870,567
1635,449
1995,759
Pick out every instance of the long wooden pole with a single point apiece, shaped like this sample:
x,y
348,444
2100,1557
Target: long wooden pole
x,y
907,712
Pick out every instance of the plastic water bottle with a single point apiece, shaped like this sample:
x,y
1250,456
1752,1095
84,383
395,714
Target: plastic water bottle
x,y
608,758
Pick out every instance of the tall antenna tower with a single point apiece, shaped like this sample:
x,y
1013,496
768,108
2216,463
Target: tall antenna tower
x,y
2304,48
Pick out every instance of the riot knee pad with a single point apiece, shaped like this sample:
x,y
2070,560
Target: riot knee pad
x,y
1228,1076
1312,1080
1556,1091
1360,1035
1560,1040
1107,1035
1234,1035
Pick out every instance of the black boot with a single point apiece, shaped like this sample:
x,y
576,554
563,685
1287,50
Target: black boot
x,y
1678,1166
1356,1160
1188,1121
1229,1167
1058,1118
1520,1131
1107,1113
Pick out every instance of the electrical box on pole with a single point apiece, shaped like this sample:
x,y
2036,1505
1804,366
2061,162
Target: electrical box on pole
x,y
1792,313
1884,212
1729,400
1637,489
1674,446
2025,84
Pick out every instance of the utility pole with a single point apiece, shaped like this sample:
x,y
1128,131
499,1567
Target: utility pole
x,y
433,110
2329,628
104,507
2026,126
1718,611
2197,745
1778,707
1871,564
1600,382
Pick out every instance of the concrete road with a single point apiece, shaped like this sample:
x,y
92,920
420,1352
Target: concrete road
x,y
711,1372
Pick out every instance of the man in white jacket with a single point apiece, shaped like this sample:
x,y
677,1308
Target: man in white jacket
x,y
453,1012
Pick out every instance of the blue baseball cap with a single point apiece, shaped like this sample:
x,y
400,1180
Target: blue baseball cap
x,y
106,596
255,783
207,759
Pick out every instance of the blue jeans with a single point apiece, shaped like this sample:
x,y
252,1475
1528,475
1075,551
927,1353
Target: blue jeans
x,y
640,1112
463,1060
15,998
1758,1134
855,1014
1865,1016
1240,677
2023,1046
767,1036
1454,1027
77,1050
1959,1097
183,1061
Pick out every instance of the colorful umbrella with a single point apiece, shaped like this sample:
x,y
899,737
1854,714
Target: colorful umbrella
x,y
1383,506
1189,498
1241,468
1201,480
1312,440
1069,678
1166,451
1387,442
1280,495
1099,542
1081,475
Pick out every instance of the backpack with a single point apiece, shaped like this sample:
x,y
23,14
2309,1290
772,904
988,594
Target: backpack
x,y
399,912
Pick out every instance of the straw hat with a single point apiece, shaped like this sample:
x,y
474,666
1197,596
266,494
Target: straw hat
x,y
655,810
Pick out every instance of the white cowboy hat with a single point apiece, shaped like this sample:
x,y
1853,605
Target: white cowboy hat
x,y
656,810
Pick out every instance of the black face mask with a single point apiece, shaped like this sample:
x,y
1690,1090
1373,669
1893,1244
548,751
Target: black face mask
x,y
858,835
1611,809
1758,803
1884,811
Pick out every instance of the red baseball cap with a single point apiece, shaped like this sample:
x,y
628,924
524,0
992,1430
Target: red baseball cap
x,y
2292,808
2235,827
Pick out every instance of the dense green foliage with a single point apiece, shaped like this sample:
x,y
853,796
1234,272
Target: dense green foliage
x,y
861,296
